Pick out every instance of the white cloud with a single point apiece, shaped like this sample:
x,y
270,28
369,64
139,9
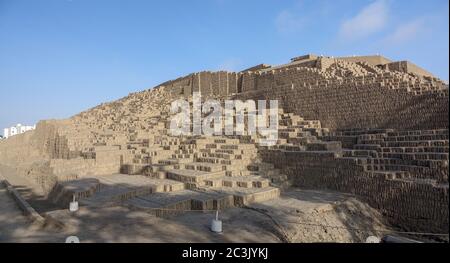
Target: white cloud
x,y
406,31
303,16
288,22
369,20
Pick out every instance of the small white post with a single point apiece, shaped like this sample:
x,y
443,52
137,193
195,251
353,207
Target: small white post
x,y
73,206
216,224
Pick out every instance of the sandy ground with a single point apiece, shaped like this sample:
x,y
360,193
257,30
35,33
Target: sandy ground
x,y
279,220
297,216
15,227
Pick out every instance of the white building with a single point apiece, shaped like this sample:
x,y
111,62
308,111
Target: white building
x,y
18,129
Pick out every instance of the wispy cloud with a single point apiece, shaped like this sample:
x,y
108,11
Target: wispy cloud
x,y
371,19
406,32
288,22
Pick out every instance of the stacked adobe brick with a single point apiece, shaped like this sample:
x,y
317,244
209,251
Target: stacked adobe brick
x,y
348,127
410,184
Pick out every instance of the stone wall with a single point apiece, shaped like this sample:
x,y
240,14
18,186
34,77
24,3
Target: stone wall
x,y
339,93
30,146
219,83
407,67
359,103
103,162
410,204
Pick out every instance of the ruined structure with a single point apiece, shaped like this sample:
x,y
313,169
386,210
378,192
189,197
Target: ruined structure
x,y
362,125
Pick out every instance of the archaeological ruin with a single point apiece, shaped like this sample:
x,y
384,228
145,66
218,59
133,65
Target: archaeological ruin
x,y
365,126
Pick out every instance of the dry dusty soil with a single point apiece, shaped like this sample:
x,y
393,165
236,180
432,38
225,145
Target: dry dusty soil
x,y
298,216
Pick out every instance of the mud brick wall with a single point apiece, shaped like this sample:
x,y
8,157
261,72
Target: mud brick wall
x,y
414,206
108,162
104,163
339,101
77,166
407,67
354,104
181,86
58,148
233,81
249,82
221,83
31,146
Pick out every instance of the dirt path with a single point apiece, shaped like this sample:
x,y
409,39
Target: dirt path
x,y
15,227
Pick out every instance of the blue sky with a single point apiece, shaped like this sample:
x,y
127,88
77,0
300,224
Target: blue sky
x,y
59,57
